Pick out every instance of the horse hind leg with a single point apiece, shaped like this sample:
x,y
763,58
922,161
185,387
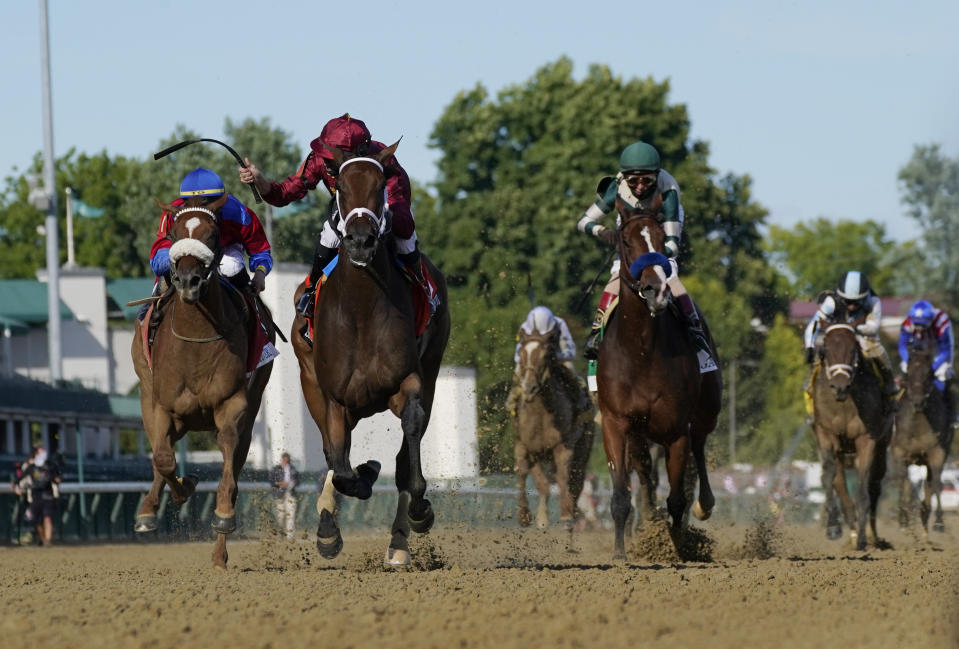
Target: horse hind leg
x,y
703,507
676,456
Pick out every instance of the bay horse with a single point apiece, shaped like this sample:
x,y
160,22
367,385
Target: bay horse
x,y
198,379
850,417
366,357
922,434
553,437
650,386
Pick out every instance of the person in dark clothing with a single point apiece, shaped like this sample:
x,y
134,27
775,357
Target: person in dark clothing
x,y
40,480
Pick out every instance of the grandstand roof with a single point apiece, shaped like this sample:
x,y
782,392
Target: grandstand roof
x,y
126,289
23,302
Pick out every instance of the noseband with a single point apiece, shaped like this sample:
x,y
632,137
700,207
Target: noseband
x,y
631,273
842,368
377,220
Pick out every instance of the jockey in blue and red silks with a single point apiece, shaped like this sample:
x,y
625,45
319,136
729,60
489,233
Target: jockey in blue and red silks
x,y
926,321
240,232
351,135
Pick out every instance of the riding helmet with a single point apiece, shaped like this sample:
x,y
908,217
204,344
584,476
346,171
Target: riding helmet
x,y
542,319
201,182
853,286
639,156
921,313
343,132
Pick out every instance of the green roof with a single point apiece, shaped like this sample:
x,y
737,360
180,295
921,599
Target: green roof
x,y
25,300
13,324
123,290
21,393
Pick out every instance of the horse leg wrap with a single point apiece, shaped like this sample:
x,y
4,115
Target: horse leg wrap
x,y
224,524
421,516
329,541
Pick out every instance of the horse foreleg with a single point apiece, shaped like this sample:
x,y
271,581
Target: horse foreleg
x,y
645,468
676,456
407,404
229,420
865,458
521,467
614,441
937,458
830,471
900,476
876,474
542,486
329,541
563,457
146,520
163,434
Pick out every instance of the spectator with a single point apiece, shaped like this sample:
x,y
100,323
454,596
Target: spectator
x,y
285,479
40,479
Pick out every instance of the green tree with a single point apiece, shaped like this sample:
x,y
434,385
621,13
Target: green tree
x,y
814,255
515,174
929,184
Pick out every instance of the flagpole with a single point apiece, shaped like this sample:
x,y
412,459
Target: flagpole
x,y
50,188
71,258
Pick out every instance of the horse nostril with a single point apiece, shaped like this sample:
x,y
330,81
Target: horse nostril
x,y
370,241
194,282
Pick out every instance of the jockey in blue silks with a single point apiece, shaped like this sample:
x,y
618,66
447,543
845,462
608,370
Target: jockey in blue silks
x,y
926,321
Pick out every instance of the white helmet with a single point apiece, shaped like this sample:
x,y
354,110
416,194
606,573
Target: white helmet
x,y
540,320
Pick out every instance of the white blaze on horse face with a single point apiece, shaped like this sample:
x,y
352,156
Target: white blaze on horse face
x,y
192,225
649,239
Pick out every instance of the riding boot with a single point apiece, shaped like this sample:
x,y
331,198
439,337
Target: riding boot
x,y
321,257
695,328
413,262
591,346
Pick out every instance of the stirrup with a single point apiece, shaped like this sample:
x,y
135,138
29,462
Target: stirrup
x,y
305,332
591,346
305,304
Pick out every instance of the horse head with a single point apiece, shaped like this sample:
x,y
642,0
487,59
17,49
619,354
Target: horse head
x,y
643,266
919,375
841,355
195,252
361,202
536,352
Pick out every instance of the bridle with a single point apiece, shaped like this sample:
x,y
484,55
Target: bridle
x,y
378,221
189,247
628,273
843,369
543,373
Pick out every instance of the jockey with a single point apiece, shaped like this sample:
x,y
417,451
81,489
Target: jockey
x,y
860,301
642,184
240,232
541,320
926,321
351,135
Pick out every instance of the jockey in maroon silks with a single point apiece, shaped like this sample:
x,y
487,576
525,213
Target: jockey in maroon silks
x,y
351,135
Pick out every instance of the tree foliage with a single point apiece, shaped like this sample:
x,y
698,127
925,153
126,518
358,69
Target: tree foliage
x,y
929,184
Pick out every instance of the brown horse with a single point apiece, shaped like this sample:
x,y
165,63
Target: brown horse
x,y
922,435
198,379
650,386
366,357
550,430
850,417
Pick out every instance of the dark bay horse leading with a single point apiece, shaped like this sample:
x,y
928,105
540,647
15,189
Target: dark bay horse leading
x,y
650,386
552,434
198,379
922,434
366,357
850,417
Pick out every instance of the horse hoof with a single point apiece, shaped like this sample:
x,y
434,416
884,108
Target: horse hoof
x,y
524,518
421,523
619,556
700,513
145,523
939,527
833,532
224,524
329,548
396,558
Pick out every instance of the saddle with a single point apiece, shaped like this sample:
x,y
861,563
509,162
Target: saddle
x,y
422,312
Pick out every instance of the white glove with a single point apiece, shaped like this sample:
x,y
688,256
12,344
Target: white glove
x,y
902,366
943,372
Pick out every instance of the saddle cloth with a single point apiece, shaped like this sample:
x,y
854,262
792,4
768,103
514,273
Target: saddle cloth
x,y
421,302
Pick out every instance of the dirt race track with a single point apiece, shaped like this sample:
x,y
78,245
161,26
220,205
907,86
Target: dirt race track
x,y
488,588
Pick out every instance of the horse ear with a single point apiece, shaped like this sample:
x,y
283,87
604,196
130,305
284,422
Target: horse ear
x,y
166,207
218,204
388,152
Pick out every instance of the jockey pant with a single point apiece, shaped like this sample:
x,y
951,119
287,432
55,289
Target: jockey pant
x,y
232,261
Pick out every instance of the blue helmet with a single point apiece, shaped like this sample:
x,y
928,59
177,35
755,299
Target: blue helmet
x,y
201,182
921,313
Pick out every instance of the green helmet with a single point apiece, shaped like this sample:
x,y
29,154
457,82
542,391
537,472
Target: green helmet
x,y
639,156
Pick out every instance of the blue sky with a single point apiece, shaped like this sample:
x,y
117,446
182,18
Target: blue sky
x,y
821,102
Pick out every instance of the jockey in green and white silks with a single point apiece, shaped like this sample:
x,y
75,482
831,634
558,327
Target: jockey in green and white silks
x,y
858,297
643,186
